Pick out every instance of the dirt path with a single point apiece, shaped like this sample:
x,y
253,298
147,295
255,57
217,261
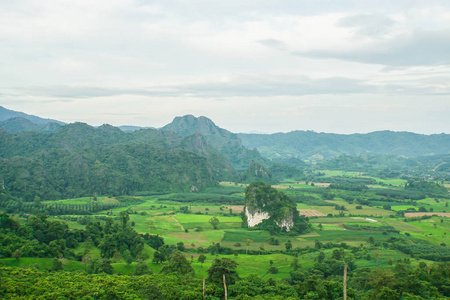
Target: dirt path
x,y
182,228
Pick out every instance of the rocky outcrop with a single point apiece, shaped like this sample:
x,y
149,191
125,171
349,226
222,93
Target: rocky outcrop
x,y
255,217
287,222
262,202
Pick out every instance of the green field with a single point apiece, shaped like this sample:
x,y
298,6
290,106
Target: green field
x,y
177,220
351,209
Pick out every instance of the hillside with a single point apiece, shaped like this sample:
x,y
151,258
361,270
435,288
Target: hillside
x,y
21,124
80,160
316,146
226,142
6,114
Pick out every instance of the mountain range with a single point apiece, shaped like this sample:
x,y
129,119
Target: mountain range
x,y
242,148
310,145
50,159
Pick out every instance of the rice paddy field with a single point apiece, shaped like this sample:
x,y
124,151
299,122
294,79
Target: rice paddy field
x,y
188,222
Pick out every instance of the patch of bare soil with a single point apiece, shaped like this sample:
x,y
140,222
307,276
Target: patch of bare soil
x,y
310,213
322,184
236,209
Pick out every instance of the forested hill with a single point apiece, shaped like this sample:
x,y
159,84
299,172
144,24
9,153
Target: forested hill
x,y
6,114
226,142
309,144
21,124
80,160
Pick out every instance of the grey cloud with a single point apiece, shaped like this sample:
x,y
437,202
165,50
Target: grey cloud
x,y
282,86
257,87
419,49
368,25
273,43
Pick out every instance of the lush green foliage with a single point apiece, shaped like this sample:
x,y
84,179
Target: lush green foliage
x,y
79,160
260,196
309,144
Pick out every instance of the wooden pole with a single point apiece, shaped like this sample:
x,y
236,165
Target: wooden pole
x,y
204,289
345,281
225,286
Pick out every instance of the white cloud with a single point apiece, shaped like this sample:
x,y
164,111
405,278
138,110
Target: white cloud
x,y
83,59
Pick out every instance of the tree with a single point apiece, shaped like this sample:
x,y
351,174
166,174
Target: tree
x,y
321,257
127,257
100,266
124,218
214,222
220,267
17,254
56,265
180,246
152,292
86,260
336,254
108,246
288,245
88,243
295,264
318,244
159,257
105,266
201,259
141,268
178,264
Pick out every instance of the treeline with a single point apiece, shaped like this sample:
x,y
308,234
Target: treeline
x,y
204,197
37,207
41,237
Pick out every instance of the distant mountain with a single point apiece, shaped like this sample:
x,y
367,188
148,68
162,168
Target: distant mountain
x,y
226,142
130,128
21,124
309,145
6,114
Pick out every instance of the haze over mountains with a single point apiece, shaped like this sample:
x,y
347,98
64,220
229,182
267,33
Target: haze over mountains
x,y
239,148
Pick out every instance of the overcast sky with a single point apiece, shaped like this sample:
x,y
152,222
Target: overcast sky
x,y
266,66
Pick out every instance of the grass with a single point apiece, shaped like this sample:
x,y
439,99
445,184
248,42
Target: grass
x,y
403,226
437,204
403,207
303,206
391,181
432,230
351,209
325,220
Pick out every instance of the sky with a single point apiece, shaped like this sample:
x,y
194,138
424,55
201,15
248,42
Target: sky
x,y
250,66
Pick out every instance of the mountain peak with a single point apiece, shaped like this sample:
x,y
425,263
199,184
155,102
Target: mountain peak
x,y
226,142
189,124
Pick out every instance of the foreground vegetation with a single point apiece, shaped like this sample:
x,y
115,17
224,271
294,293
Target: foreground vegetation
x,y
143,245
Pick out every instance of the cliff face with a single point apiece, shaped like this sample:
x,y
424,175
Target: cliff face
x,y
262,202
255,217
